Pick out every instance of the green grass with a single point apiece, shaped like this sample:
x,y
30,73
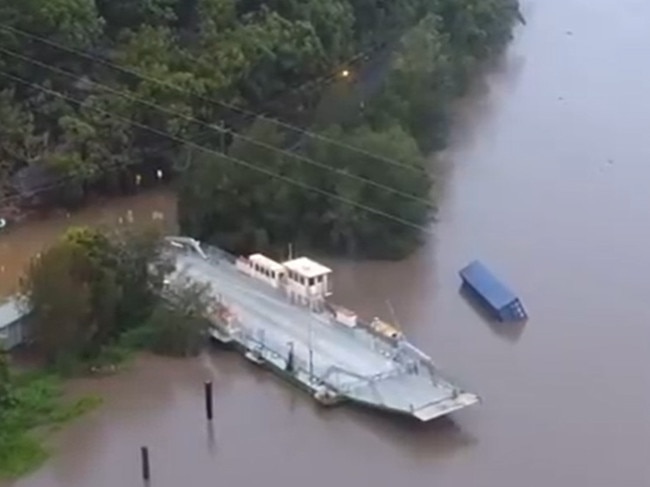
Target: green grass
x,y
35,406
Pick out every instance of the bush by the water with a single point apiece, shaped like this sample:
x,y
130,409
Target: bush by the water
x,y
95,295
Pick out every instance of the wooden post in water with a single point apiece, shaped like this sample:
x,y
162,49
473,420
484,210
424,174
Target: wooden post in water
x,y
208,400
146,472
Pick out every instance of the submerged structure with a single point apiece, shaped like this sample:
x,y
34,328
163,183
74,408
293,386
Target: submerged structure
x,y
493,294
280,315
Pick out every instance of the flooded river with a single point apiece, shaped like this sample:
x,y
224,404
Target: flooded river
x,y
549,184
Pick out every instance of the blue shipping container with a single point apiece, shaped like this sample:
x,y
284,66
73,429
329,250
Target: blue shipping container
x,y
503,303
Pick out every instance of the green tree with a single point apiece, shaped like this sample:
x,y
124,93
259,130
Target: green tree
x,y
223,202
128,14
141,268
89,288
58,292
344,227
419,86
282,52
242,210
19,144
180,324
73,22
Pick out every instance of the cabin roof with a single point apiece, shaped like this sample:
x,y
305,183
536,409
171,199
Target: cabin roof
x,y
307,267
266,262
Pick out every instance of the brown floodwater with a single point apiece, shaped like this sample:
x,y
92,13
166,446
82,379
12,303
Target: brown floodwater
x,y
548,183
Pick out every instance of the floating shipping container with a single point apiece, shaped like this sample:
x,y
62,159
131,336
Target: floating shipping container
x,y
494,294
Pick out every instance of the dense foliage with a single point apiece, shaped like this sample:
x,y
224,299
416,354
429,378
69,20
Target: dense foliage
x,y
252,53
93,291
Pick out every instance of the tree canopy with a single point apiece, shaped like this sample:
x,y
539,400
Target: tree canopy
x,y
99,93
93,288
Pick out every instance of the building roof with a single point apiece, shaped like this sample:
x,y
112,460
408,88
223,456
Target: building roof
x,y
487,285
266,262
306,267
9,313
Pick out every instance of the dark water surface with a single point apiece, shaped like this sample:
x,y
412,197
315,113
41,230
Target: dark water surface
x,y
549,183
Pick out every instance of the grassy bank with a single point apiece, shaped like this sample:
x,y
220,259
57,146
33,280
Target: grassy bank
x,y
32,406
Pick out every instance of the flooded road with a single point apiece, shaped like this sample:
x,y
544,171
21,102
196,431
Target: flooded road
x,y
549,178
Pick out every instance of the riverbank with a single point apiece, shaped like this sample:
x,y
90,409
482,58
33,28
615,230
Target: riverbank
x,y
32,406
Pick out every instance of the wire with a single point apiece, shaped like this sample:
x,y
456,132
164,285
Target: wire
x,y
293,155
209,99
248,165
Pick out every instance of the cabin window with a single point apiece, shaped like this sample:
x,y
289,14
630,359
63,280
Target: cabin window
x,y
312,281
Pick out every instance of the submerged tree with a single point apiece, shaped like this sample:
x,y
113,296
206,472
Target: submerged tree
x,y
329,206
180,325
57,288
89,288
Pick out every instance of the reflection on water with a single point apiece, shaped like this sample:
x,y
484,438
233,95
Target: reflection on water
x,y
242,445
510,331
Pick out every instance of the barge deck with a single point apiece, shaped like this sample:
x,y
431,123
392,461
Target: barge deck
x,y
333,361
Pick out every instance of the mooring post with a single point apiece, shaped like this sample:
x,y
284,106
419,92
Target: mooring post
x,y
146,473
208,400
289,365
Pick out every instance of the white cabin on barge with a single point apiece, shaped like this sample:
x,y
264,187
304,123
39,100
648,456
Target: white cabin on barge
x,y
304,281
267,270
308,282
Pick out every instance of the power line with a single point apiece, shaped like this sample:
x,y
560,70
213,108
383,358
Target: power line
x,y
293,155
246,164
229,106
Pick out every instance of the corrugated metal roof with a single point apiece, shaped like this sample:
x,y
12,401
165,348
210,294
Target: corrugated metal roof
x,y
487,285
9,313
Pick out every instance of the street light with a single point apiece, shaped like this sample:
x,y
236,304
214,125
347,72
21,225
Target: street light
x,y
345,73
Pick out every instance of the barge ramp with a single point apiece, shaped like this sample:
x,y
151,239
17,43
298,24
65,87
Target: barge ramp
x,y
330,360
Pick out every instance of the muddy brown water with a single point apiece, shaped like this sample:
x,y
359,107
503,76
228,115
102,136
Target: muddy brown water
x,y
548,183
